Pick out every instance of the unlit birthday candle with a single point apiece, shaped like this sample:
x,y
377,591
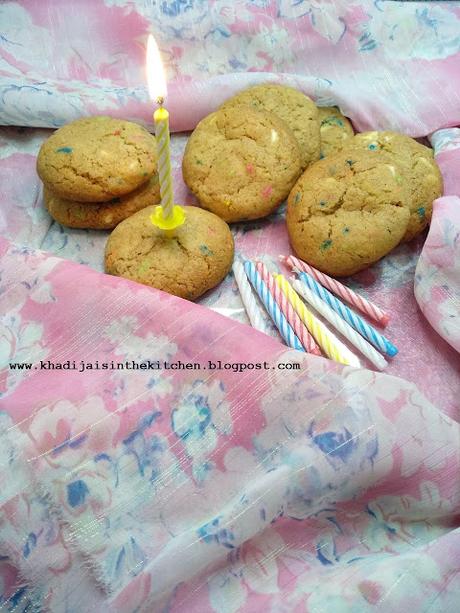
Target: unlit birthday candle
x,y
357,322
332,347
272,308
363,305
348,332
288,310
166,216
253,310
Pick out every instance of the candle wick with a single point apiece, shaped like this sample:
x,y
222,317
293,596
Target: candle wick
x,y
160,101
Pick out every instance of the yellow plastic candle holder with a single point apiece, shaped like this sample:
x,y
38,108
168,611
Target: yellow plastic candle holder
x,y
168,223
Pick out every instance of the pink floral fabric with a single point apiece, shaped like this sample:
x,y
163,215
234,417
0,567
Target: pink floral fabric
x,y
316,490
209,490
372,58
437,279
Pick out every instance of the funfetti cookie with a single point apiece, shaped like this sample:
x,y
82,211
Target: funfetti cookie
x,y
296,109
335,130
419,170
194,260
348,211
97,159
241,163
105,215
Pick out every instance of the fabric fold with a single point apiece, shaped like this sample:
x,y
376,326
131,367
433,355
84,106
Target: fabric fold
x,y
238,483
159,481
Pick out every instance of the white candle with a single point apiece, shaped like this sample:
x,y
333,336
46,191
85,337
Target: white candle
x,y
253,310
355,339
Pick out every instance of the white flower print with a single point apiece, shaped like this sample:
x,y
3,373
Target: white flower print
x,y
200,418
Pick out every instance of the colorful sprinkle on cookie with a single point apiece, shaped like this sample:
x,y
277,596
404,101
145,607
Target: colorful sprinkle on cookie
x,y
64,150
205,250
266,192
143,268
335,130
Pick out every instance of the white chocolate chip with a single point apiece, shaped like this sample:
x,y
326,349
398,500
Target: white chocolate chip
x,y
392,169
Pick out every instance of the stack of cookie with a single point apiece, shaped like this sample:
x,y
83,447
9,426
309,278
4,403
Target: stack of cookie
x,y
358,196
98,171
242,161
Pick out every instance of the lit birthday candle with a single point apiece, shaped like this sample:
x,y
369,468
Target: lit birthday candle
x,y
166,216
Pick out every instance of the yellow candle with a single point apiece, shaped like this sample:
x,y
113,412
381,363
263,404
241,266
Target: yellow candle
x,y
166,216
161,119
316,327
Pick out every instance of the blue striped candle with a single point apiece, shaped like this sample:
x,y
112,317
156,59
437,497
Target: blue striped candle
x,y
272,308
355,321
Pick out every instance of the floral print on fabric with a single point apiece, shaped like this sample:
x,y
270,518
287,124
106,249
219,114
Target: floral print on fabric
x,y
323,489
389,56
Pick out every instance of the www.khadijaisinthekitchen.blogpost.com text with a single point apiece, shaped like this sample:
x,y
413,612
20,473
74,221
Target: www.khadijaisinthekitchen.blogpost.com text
x,y
82,366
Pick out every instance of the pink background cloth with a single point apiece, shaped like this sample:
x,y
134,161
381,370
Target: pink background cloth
x,y
326,489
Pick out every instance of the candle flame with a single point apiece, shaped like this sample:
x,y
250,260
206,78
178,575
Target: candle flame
x,y
155,72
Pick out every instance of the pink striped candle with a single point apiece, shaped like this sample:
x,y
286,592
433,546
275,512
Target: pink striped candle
x,y
288,311
363,305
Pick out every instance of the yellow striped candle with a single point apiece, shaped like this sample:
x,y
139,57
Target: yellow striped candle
x,y
332,347
161,119
167,216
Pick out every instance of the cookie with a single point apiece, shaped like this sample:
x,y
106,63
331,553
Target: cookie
x,y
348,211
103,216
335,130
97,159
419,170
196,259
296,109
241,164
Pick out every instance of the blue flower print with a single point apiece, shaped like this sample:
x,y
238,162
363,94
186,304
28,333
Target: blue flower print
x,y
77,492
129,560
213,533
336,444
198,421
176,8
